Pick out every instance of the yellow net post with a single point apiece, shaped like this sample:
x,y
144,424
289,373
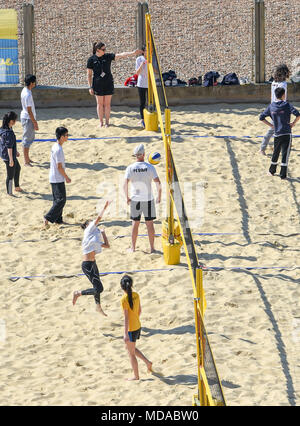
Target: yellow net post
x,y
167,142
199,308
171,240
171,243
150,116
176,233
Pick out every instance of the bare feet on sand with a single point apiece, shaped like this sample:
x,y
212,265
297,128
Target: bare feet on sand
x,y
100,310
131,250
149,368
76,294
18,189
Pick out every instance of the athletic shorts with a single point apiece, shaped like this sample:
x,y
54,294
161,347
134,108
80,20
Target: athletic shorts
x,y
104,90
28,132
145,207
134,335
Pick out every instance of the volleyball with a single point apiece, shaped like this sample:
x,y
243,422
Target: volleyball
x,y
154,158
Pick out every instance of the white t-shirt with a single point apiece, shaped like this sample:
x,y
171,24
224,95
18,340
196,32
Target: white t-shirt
x,y
140,175
27,101
92,239
142,80
274,86
57,156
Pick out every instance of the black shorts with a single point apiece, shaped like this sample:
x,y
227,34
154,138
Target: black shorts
x,y
104,89
145,207
134,335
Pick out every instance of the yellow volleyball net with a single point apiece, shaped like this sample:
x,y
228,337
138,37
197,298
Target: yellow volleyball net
x,y
177,232
158,112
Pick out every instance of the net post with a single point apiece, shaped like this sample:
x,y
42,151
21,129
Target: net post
x,y
199,307
150,116
149,57
169,175
198,346
200,290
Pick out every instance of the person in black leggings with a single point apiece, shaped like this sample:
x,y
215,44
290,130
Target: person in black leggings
x,y
142,82
9,153
93,242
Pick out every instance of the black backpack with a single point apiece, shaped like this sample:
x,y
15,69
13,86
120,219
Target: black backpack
x,y
230,78
170,75
210,78
195,81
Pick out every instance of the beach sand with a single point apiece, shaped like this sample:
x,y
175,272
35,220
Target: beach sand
x,y
54,353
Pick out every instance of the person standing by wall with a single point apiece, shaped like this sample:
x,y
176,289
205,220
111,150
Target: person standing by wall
x,y
100,78
57,178
142,81
280,112
9,152
281,74
28,117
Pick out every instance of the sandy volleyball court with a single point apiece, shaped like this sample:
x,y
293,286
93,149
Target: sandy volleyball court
x,y
53,353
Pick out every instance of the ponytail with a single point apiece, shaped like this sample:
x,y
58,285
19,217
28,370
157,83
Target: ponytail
x,y
96,46
7,118
126,285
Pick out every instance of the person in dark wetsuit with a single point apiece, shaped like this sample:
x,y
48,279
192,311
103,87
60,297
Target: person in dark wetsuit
x,y
100,79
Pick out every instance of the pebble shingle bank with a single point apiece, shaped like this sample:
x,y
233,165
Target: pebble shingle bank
x,y
192,37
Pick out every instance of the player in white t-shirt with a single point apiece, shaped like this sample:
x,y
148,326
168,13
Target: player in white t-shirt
x,y
93,242
28,117
57,178
140,174
281,74
142,81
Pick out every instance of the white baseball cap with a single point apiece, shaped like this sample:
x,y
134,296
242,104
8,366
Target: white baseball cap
x,y
139,150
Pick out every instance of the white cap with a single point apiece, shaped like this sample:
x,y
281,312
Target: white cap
x,y
139,150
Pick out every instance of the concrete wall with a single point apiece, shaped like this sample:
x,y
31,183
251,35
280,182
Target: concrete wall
x,y
48,97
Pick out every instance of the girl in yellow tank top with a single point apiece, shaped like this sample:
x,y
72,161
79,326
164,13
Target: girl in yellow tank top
x,y
131,306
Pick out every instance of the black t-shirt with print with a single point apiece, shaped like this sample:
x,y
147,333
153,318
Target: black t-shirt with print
x,y
101,65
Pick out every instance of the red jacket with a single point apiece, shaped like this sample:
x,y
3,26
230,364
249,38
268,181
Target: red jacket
x,y
131,81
